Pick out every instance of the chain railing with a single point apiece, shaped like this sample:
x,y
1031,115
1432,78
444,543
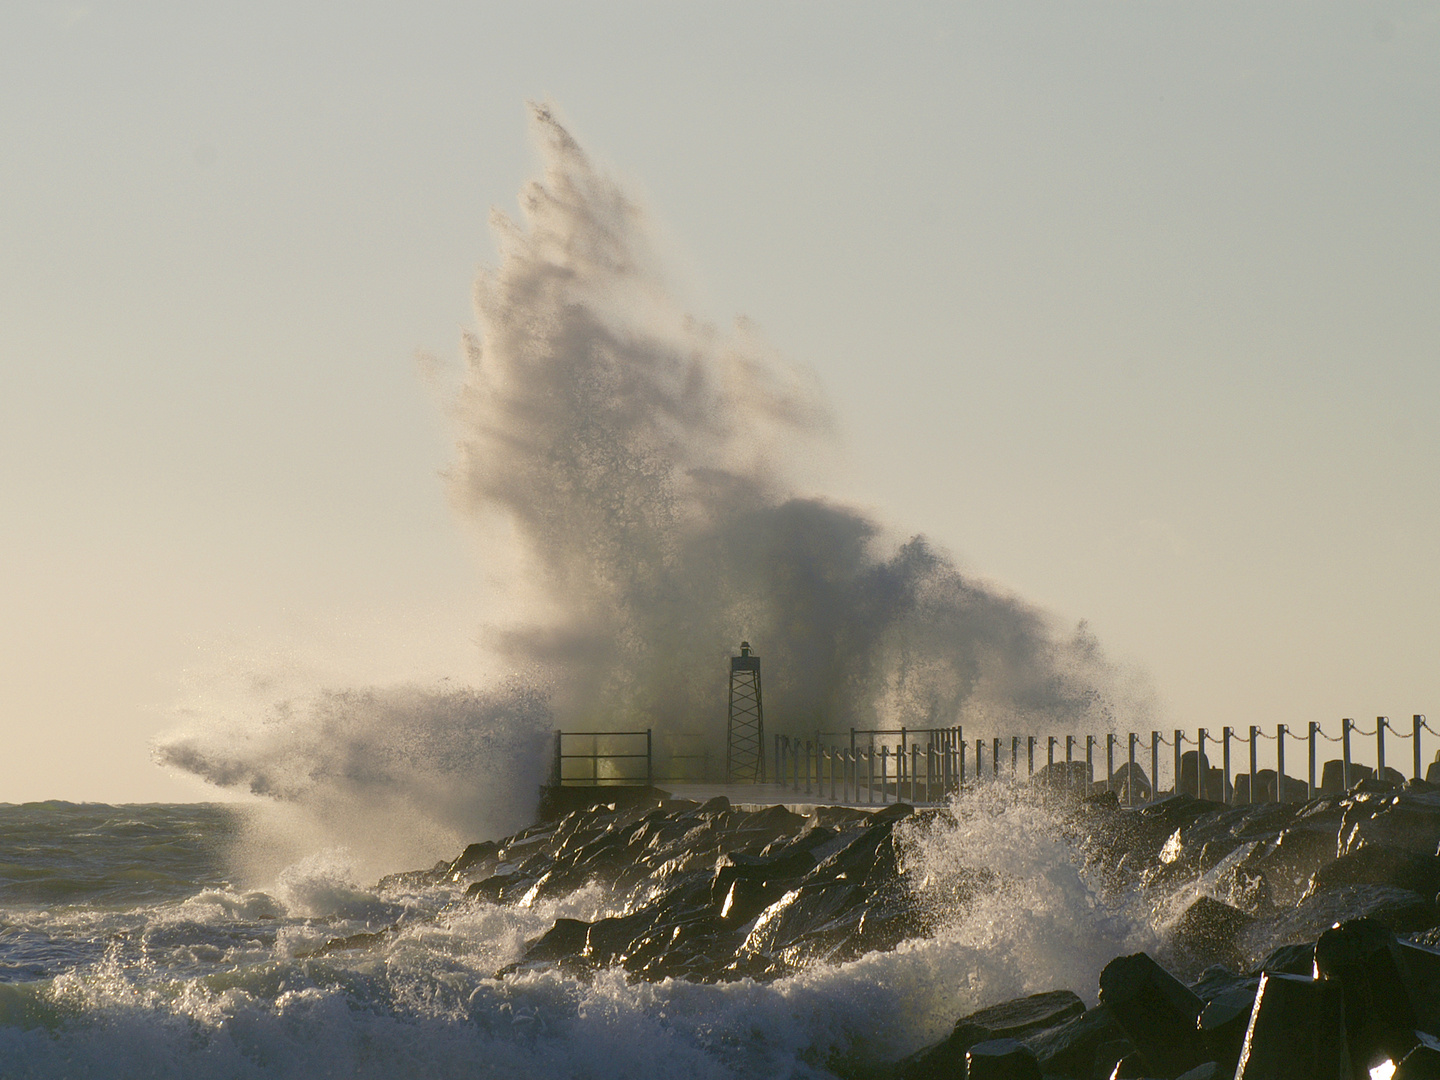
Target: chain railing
x,y
929,765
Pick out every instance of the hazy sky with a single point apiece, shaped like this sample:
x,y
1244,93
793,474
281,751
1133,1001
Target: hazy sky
x,y
1134,308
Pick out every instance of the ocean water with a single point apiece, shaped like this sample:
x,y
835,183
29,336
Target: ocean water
x,y
129,947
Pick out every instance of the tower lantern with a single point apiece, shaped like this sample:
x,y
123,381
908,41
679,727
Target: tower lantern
x,y
745,745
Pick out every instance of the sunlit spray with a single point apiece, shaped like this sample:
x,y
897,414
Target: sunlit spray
x,y
637,460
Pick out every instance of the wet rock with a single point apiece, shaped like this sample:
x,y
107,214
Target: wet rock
x,y
1211,931
563,941
1407,821
1398,909
1131,1067
1419,966
1001,1059
1192,766
1158,1013
475,861
1296,1032
1296,959
1074,777
1422,1062
353,942
1131,786
1360,956
1332,776
1379,864
1018,1019
1226,1016
1086,1045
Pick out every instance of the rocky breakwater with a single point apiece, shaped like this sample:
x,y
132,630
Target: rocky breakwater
x,y
1295,942
1290,939
705,891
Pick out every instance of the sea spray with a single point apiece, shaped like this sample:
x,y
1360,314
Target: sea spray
x,y
389,776
1044,921
637,461
640,457
221,982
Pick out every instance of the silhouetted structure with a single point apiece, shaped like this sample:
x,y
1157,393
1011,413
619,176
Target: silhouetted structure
x,y
745,745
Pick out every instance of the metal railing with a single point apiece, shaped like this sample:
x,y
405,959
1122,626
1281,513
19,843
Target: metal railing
x,y
929,765
628,758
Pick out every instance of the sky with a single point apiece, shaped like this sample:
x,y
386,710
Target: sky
x,y
1131,308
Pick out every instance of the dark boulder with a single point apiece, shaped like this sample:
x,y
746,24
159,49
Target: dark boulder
x,y
1398,909
1379,864
1297,959
1419,966
1296,1032
1001,1059
1408,821
1422,1062
1332,776
1211,1070
1130,784
475,861
1016,1019
1360,957
1085,1045
1225,1018
1209,932
1158,1013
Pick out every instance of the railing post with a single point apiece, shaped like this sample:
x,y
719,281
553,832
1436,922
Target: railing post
x,y
914,768
1179,752
595,759
1130,777
1050,759
1110,761
1280,763
884,770
650,761
1225,784
1089,760
1380,722
1015,755
1418,720
1030,740
1345,724
961,746
559,760
1314,728
1069,758
995,758
1154,765
1202,767
1254,766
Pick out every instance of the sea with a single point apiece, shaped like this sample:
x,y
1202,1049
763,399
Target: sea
x,y
134,944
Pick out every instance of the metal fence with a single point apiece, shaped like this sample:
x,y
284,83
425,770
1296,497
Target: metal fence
x,y
627,759
930,764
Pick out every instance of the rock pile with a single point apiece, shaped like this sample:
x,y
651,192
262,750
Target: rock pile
x,y
709,892
1298,938
1358,1003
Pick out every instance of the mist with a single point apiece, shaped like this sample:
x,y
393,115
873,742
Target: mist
x,y
641,467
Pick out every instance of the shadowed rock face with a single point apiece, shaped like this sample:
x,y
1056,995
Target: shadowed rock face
x,y
1248,899
707,891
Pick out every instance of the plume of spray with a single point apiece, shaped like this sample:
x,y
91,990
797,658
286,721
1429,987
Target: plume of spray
x,y
637,458
640,457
